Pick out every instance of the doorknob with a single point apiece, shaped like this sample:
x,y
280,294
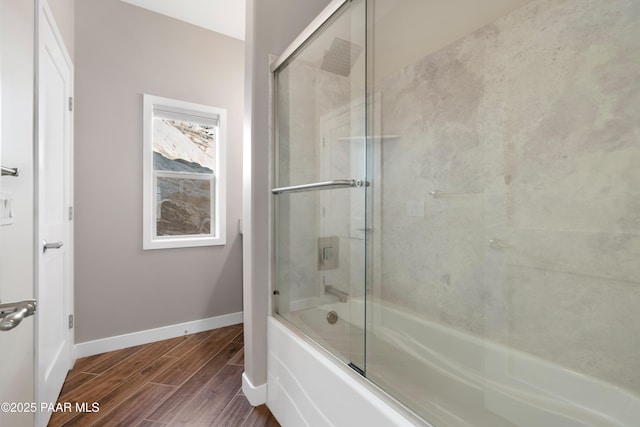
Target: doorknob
x,y
54,245
11,314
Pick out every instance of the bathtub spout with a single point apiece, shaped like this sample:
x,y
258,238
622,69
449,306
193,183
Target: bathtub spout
x,y
330,290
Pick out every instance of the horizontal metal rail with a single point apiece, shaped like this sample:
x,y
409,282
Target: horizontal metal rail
x,y
315,186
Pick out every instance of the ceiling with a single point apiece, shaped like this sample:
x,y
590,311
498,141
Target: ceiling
x,y
222,16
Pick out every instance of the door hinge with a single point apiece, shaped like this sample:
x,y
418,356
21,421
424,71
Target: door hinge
x,y
70,103
70,213
71,321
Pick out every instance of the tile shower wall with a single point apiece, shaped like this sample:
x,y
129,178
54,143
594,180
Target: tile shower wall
x,y
511,200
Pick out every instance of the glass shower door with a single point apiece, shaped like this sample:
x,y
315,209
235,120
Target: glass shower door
x,y
508,279
320,180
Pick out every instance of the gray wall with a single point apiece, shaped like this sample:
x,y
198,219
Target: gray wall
x,y
123,51
271,27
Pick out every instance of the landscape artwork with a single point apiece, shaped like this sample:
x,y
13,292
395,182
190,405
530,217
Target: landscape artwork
x,y
184,159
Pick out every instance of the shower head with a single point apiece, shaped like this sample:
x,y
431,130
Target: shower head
x,y
340,57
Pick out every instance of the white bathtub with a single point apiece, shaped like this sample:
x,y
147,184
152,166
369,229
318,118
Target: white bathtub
x,y
486,384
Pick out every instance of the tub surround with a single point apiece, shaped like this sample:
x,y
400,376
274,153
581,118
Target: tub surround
x,y
504,245
307,389
528,128
471,381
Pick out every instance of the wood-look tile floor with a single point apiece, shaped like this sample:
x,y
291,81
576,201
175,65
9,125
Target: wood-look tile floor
x,y
193,380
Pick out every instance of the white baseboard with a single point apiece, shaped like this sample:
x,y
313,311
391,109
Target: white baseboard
x,y
255,395
118,342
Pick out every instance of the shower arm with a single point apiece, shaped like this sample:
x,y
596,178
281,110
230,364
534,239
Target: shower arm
x,y
315,186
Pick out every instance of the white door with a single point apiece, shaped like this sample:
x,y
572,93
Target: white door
x,y
53,289
16,236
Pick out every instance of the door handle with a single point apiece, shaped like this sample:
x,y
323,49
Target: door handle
x,y
11,314
54,245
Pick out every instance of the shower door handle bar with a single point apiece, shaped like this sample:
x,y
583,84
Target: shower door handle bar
x,y
315,186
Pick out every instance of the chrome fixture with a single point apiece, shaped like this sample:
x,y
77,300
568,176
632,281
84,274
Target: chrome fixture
x,y
54,245
332,317
439,194
340,57
328,253
10,171
336,183
331,290
11,314
498,244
